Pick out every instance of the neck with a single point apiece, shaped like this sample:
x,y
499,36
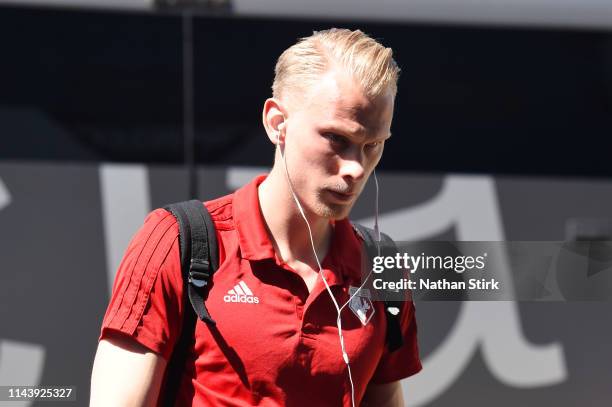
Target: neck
x,y
286,226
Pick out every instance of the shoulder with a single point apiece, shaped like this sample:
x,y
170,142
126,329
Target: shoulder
x,y
155,238
222,211
154,245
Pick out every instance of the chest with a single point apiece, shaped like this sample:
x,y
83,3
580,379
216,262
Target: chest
x,y
274,332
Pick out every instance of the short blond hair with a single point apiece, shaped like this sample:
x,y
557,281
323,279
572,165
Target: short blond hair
x,y
366,60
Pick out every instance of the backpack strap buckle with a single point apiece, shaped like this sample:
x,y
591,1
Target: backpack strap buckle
x,y
199,272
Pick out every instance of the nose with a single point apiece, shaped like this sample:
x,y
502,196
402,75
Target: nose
x,y
352,167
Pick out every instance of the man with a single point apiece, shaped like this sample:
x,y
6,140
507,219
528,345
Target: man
x,y
282,239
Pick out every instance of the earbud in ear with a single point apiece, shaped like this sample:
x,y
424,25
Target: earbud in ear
x,y
278,132
280,128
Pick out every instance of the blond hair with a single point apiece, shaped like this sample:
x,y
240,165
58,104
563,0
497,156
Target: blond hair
x,y
365,59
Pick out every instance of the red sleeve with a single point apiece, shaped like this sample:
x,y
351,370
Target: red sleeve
x,y
405,361
146,301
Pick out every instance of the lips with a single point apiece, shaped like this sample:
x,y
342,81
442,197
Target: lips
x,y
341,196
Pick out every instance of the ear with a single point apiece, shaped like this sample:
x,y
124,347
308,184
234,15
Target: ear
x,y
273,117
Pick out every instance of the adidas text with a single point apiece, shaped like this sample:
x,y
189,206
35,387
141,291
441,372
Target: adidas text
x,y
241,293
241,298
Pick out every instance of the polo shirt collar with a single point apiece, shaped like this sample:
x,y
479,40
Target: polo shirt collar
x,y
345,251
255,243
252,232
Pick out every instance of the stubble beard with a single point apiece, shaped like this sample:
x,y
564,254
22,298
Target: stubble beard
x,y
330,210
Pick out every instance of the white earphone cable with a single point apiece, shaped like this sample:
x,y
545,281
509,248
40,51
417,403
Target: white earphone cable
x,y
338,308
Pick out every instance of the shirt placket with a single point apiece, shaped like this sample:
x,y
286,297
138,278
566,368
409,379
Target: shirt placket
x,y
309,324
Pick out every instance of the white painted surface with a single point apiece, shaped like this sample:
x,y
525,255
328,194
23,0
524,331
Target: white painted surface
x,y
126,201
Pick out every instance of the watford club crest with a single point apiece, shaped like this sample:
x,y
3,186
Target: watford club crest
x,y
361,304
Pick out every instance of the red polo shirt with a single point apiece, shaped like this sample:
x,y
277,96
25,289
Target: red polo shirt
x,y
274,344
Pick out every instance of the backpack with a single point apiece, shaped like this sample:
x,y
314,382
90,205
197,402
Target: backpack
x,y
200,259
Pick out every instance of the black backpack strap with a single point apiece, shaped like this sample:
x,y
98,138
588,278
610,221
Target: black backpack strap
x,y
394,336
199,252
199,260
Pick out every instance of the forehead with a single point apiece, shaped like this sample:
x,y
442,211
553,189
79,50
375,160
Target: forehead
x,y
338,99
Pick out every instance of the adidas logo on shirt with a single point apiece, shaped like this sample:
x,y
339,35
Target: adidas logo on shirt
x,y
241,293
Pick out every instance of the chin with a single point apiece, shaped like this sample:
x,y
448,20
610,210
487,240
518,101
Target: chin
x,y
332,212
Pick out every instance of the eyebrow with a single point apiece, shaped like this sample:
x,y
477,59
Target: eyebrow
x,y
345,130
